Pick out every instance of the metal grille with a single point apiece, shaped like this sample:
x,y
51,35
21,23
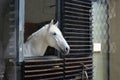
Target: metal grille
x,y
76,26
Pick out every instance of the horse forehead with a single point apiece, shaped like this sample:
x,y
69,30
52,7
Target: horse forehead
x,y
55,29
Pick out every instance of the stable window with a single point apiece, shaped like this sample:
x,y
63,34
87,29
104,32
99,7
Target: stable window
x,y
75,22
32,16
37,14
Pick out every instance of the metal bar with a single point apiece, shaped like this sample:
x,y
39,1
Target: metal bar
x,y
80,46
80,54
39,60
46,74
77,33
78,5
81,50
79,1
46,78
83,58
68,63
77,37
77,29
43,70
79,41
81,36
75,71
74,16
77,13
80,21
77,9
76,25
45,65
76,67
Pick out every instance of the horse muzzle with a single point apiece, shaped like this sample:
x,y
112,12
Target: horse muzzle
x,y
65,50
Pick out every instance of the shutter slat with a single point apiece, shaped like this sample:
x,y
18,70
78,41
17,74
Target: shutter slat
x,y
80,1
43,70
77,33
76,25
45,60
45,65
77,13
77,29
76,8
71,16
77,21
46,74
78,37
78,5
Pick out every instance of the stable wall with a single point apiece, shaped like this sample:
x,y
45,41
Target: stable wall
x,y
100,35
37,11
7,69
115,40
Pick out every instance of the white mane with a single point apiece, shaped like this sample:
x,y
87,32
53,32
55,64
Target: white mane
x,y
35,33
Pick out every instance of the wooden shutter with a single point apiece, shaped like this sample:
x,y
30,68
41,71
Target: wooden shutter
x,y
76,26
49,68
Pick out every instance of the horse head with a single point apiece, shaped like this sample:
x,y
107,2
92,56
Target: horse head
x,y
55,38
48,35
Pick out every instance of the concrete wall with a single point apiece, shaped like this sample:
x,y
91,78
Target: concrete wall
x,y
37,11
3,9
7,69
115,40
1,50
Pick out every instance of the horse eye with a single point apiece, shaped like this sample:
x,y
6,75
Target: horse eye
x,y
54,33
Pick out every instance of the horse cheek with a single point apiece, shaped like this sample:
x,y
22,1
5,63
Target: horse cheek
x,y
51,42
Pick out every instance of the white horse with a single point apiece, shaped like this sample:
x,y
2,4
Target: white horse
x,y
48,35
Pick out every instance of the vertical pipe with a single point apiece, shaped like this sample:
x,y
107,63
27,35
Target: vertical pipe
x,y
16,2
19,23
58,17
17,28
59,12
21,28
108,42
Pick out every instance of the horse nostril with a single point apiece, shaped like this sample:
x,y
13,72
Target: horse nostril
x,y
66,49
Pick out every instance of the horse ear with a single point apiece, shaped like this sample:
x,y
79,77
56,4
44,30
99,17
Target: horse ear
x,y
57,23
50,24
